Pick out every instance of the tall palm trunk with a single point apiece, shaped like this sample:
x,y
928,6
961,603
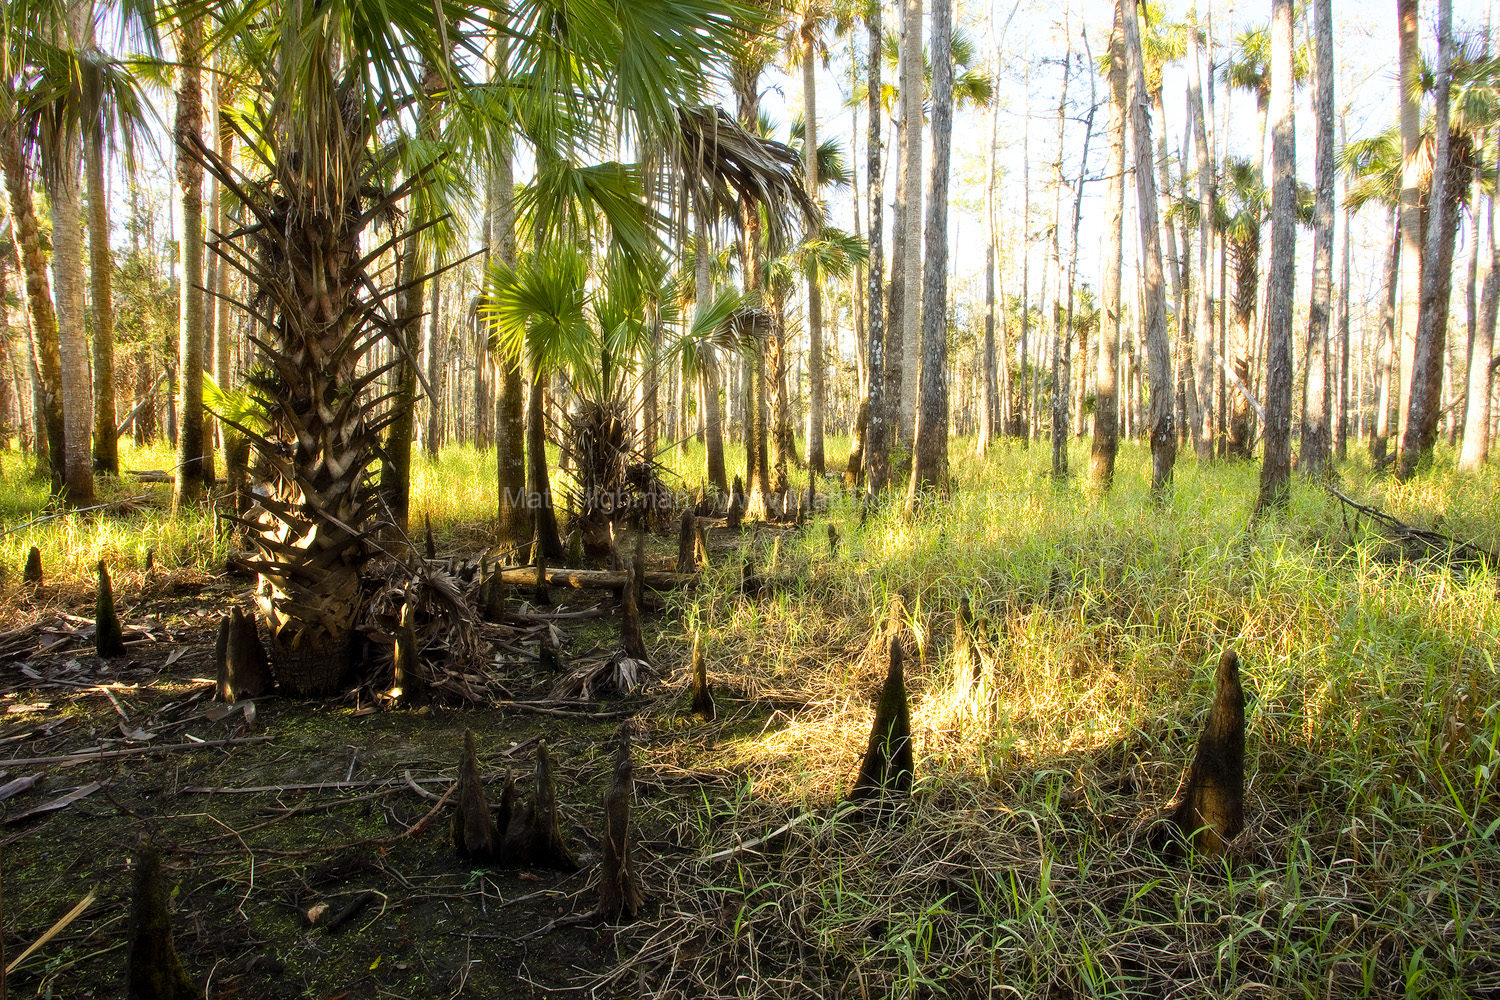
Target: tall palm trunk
x,y
1314,453
1158,350
188,483
877,450
930,448
1276,465
1106,402
514,524
1203,307
434,351
46,353
73,340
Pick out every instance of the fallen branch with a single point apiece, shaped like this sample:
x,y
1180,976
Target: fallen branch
x,y
1433,541
594,579
67,760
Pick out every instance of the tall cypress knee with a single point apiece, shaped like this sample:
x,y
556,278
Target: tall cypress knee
x,y
152,969
886,771
1211,810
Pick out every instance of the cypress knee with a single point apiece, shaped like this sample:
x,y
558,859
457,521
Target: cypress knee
x,y
885,774
532,836
152,969
631,639
619,893
703,696
408,682
1212,810
685,535
541,595
475,835
431,543
700,544
109,641
833,542
32,574
736,503
242,668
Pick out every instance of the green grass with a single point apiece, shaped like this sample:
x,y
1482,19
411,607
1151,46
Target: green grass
x,y
1369,864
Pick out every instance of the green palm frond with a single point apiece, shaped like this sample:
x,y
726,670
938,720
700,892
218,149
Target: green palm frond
x,y
537,312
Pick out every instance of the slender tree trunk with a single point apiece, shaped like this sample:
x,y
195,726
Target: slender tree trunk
x,y
1158,349
708,375
910,238
1059,391
106,449
1276,466
930,450
46,354
1420,431
1106,398
815,400
1341,439
1023,431
1203,315
434,350
877,450
188,484
1314,452
1476,442
1064,366
1409,56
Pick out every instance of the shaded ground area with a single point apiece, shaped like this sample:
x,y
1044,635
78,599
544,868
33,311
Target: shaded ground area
x,y
285,809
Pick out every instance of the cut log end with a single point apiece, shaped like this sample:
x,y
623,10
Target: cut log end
x,y
885,774
703,696
152,969
109,640
1211,809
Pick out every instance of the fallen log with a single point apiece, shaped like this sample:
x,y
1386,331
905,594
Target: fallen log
x,y
594,579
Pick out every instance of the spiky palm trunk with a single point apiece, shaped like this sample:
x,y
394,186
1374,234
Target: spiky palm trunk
x,y
1245,251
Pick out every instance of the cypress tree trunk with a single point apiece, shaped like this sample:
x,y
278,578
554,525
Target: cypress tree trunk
x,y
188,482
877,449
910,238
1158,350
1106,402
1380,427
1203,310
1314,455
1411,203
1420,431
930,450
1276,467
1476,444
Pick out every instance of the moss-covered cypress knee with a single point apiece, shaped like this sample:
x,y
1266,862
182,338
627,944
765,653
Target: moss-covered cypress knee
x,y
152,969
532,836
242,669
1211,809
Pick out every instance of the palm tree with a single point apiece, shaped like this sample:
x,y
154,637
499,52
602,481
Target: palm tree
x,y
188,133
340,77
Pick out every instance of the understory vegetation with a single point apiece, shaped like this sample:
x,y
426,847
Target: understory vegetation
x,y
1046,743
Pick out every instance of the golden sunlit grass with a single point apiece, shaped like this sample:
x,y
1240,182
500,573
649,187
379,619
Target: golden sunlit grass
x,y
1369,863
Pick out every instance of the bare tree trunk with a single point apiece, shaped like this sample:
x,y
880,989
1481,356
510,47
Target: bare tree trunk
x,y
1106,399
1314,454
106,446
911,239
1059,418
188,483
1341,431
1158,349
1275,473
877,447
1476,443
1203,315
815,401
1420,431
1064,366
930,449
1410,201
46,355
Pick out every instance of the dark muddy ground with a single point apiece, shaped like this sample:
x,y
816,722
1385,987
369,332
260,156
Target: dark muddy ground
x,y
295,806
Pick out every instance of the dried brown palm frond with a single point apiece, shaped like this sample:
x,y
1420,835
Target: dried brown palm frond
x,y
725,166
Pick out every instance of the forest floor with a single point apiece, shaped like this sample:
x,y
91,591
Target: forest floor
x,y
1368,867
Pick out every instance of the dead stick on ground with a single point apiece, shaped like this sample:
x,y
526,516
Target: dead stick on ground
x,y
85,758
